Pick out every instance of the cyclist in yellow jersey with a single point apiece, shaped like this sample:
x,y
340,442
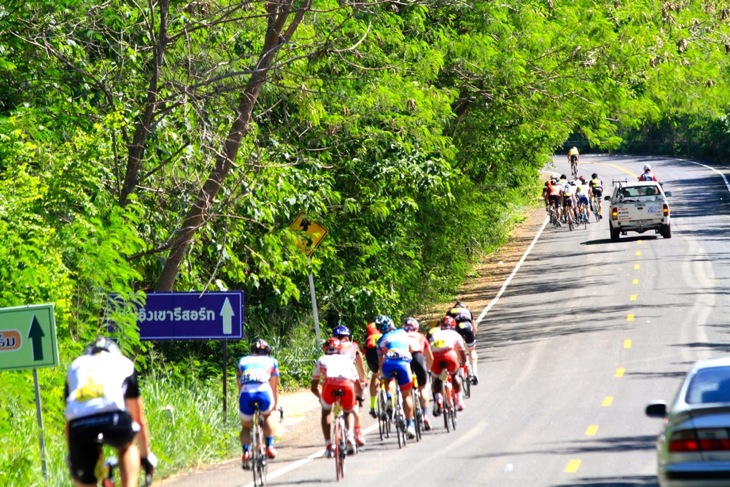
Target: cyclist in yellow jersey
x,y
596,190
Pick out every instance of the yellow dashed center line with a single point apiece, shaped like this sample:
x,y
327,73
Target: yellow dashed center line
x,y
632,297
635,281
592,430
572,466
607,401
627,343
630,317
620,372
638,253
636,267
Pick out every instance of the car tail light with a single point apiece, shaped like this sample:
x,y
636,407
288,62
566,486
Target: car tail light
x,y
614,213
666,210
702,440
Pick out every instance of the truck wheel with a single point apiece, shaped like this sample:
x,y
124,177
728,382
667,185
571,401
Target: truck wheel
x,y
666,231
614,234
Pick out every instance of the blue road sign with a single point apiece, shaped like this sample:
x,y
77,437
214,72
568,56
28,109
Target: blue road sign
x,y
192,316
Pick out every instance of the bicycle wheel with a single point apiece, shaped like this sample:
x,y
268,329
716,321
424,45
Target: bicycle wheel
x,y
417,413
466,381
382,416
447,407
259,456
338,441
452,417
570,223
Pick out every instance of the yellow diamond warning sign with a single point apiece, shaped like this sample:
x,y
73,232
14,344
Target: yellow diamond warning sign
x,y
313,233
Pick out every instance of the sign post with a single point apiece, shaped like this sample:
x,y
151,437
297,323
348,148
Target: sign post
x,y
314,233
28,341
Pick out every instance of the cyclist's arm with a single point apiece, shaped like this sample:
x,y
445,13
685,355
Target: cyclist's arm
x,y
136,410
428,355
314,386
360,366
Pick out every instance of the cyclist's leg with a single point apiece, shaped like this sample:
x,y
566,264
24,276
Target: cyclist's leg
x,y
129,464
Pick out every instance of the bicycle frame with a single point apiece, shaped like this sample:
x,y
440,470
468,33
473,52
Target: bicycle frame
x,y
258,450
339,435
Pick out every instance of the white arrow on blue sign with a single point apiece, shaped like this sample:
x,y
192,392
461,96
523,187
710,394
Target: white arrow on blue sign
x,y
192,316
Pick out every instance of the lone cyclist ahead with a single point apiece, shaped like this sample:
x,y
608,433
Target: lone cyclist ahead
x,y
573,158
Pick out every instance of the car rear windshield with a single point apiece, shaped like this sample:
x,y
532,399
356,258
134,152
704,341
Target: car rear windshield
x,y
637,191
709,385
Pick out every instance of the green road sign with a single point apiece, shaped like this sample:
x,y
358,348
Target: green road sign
x,y
28,337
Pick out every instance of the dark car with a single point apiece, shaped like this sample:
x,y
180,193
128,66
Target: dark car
x,y
693,448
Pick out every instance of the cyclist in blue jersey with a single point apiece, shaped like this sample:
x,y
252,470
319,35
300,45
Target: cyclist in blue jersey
x,y
394,354
257,375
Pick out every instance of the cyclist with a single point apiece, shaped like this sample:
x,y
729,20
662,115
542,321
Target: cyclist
x,y
596,191
573,157
581,197
351,349
568,194
420,364
554,197
394,354
103,399
371,358
449,353
467,328
257,376
336,371
647,175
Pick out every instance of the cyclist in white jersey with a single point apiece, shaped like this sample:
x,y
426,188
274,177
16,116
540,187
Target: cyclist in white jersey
x,y
103,405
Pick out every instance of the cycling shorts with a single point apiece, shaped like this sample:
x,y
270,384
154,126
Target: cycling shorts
x,y
250,394
445,359
118,430
583,200
371,358
466,330
418,367
573,159
554,199
597,192
348,400
401,370
567,202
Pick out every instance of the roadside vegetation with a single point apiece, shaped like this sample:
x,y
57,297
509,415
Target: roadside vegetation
x,y
168,146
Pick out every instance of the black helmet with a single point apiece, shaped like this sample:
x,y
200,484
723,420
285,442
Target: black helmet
x,y
260,347
594,176
102,344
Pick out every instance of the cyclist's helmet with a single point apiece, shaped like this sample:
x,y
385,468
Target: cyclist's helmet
x,y
332,346
448,323
102,344
594,176
582,178
384,323
572,182
260,347
563,176
410,324
647,167
341,331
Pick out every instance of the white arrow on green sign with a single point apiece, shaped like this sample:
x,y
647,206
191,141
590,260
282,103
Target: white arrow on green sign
x,y
28,337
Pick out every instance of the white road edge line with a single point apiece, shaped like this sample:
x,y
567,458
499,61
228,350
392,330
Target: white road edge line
x,y
514,271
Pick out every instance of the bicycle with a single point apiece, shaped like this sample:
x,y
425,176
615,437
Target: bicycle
x,y
553,213
574,166
448,403
339,435
466,379
105,469
259,460
418,421
399,418
384,416
583,216
596,207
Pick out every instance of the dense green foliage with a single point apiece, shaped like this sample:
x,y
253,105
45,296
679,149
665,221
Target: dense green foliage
x,y
413,131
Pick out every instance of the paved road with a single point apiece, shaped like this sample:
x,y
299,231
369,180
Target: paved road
x,y
587,332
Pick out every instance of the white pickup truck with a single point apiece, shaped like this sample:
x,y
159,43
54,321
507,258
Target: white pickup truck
x,y
638,206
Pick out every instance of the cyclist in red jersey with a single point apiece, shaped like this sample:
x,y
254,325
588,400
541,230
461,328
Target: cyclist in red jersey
x,y
371,358
421,363
351,349
335,372
449,353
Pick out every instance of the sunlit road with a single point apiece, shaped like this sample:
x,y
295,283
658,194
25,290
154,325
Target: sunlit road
x,y
587,332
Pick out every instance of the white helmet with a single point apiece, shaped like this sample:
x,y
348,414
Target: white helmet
x,y
647,167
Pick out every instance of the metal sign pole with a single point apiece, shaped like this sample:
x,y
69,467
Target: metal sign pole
x,y
314,303
39,414
225,379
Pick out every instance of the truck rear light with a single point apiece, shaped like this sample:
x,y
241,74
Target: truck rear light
x,y
702,440
666,210
614,213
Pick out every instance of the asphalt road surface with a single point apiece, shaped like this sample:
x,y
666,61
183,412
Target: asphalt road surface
x,y
587,332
